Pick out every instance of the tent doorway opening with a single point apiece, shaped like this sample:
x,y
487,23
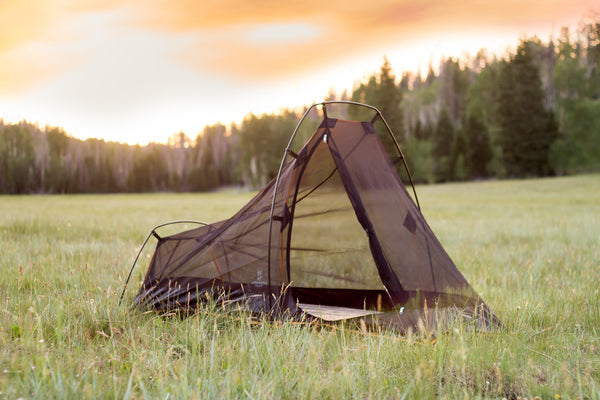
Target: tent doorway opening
x,y
329,248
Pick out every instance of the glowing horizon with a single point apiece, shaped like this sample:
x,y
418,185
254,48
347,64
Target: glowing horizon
x,y
140,71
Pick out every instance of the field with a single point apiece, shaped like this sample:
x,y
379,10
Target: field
x,y
530,248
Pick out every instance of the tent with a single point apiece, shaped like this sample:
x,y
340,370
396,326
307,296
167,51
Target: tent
x,y
335,235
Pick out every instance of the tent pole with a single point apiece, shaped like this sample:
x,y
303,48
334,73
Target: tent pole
x,y
402,157
285,153
378,114
152,232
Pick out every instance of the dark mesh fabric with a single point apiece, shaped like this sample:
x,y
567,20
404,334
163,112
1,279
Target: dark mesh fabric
x,y
227,253
328,245
408,246
345,233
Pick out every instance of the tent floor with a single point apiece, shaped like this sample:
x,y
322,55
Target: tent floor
x,y
333,313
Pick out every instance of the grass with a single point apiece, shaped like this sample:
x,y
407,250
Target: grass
x,y
530,248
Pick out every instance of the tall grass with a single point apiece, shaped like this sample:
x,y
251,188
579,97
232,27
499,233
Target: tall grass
x,y
530,248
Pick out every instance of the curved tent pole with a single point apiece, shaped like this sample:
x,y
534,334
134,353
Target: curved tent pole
x,y
402,158
152,233
288,151
389,132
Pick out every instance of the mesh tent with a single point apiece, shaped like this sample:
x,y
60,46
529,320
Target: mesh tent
x,y
335,235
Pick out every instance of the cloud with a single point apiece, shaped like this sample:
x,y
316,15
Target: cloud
x,y
40,40
23,21
252,40
339,30
115,65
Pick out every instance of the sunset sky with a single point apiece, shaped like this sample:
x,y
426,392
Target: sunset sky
x,y
140,71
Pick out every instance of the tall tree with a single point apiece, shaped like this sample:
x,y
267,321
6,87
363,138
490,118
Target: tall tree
x,y
16,159
262,142
443,139
591,31
382,92
58,174
455,83
527,129
458,161
479,150
212,168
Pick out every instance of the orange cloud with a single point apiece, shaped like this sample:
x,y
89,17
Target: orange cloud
x,y
35,38
22,21
221,32
346,28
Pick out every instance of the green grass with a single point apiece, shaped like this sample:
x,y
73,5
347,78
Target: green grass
x,y
530,248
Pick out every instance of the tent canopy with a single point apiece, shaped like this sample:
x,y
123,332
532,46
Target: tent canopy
x,y
334,235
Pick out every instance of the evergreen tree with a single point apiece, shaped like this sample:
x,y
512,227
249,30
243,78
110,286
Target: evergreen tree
x,y
389,101
443,138
262,142
526,131
592,33
430,76
58,174
16,159
205,176
482,96
458,161
479,150
383,93
455,83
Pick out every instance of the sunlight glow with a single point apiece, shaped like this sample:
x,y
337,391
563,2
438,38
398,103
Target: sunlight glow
x,y
138,72
282,33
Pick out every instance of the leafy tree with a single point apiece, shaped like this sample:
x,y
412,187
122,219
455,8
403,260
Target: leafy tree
x,y
578,150
578,102
570,74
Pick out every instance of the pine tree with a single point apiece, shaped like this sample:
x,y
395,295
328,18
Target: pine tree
x,y
382,92
479,149
526,133
453,93
443,138
458,162
389,100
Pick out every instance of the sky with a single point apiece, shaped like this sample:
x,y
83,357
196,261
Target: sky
x,y
139,71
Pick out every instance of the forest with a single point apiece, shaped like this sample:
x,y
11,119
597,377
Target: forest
x,y
534,112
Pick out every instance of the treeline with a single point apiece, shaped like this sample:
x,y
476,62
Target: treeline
x,y
535,112
35,160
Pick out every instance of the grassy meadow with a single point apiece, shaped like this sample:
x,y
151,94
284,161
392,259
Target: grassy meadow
x,y
530,248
